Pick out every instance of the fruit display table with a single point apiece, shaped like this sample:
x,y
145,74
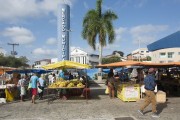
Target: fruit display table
x,y
65,88
59,92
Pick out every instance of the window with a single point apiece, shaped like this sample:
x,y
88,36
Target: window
x,y
72,59
162,62
147,51
170,61
178,53
142,51
170,54
162,55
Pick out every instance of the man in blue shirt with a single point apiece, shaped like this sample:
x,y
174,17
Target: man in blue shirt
x,y
149,82
34,82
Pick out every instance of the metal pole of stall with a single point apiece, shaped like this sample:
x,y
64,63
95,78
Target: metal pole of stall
x,y
86,87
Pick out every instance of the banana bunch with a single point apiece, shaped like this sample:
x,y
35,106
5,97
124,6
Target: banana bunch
x,y
80,85
52,86
66,83
70,85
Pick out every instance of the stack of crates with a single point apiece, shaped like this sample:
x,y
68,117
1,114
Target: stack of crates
x,y
128,92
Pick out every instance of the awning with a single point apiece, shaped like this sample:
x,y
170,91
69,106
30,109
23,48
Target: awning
x,y
135,63
25,71
66,64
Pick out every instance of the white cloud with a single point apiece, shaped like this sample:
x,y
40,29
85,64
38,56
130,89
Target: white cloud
x,y
51,41
16,9
19,35
44,52
86,5
119,33
146,33
141,3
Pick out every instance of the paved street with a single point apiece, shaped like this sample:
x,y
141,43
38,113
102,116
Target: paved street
x,y
99,107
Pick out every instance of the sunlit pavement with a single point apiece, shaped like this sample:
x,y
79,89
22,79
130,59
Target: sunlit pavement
x,y
99,107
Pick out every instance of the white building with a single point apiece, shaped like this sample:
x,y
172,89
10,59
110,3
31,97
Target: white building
x,y
80,56
141,53
166,55
166,49
54,60
40,63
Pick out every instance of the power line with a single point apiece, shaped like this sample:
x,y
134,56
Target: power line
x,y
13,53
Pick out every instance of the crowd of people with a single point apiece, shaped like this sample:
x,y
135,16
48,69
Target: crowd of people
x,y
29,86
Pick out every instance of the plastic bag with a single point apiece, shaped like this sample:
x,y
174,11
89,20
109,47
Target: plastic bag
x,y
30,85
9,95
107,90
39,90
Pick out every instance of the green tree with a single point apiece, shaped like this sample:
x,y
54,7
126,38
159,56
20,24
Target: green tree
x,y
111,60
99,25
10,61
148,58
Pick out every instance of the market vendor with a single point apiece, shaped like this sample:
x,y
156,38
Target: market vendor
x,y
111,84
11,90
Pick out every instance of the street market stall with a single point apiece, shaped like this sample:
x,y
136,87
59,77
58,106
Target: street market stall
x,y
130,91
10,88
60,84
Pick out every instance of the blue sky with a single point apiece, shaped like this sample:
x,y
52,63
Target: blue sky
x,y
33,24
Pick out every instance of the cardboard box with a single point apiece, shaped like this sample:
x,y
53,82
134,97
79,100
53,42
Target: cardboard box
x,y
161,97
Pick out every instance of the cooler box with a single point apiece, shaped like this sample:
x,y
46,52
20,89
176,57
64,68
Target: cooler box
x,y
161,97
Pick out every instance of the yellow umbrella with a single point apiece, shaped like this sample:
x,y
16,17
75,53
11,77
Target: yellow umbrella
x,y
66,64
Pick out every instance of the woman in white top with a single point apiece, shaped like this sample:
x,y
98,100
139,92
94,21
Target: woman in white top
x,y
21,84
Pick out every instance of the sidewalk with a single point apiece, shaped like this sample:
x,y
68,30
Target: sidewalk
x,y
99,107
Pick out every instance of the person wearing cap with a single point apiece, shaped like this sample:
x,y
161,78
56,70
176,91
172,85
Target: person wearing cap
x,y
149,82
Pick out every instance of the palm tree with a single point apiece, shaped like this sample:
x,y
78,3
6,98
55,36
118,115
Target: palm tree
x,y
99,25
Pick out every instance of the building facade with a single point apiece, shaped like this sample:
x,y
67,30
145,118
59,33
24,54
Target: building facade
x,y
166,55
40,63
80,56
167,49
140,54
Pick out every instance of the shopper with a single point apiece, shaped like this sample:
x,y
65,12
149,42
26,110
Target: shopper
x,y
34,83
150,85
21,84
111,83
41,86
70,76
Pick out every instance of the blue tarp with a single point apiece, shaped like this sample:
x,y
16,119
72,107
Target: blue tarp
x,y
170,41
39,71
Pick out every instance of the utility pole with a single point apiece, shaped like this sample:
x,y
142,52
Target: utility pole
x,y
13,53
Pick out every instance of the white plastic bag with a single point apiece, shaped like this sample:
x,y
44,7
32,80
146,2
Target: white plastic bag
x,y
39,90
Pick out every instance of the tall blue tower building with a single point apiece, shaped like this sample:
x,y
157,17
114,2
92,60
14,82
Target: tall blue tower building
x,y
63,31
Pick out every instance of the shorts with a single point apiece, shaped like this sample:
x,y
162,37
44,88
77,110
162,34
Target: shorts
x,y
22,91
34,91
